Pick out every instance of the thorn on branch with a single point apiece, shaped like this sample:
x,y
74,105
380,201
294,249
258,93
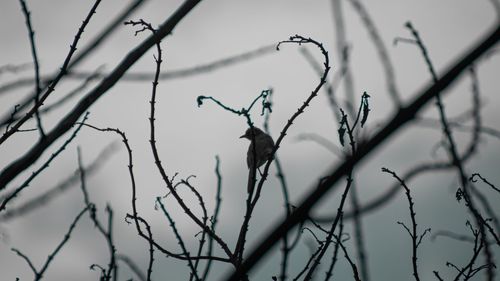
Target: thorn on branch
x,y
145,26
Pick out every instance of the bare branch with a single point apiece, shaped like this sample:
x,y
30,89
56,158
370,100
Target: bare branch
x,y
12,170
38,88
25,184
39,273
53,83
404,115
45,198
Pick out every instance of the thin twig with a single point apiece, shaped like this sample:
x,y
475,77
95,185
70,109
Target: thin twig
x,y
179,239
132,265
473,179
322,141
14,68
400,118
385,59
23,162
214,217
39,273
416,238
280,174
348,258
426,167
342,46
180,73
329,272
108,234
46,197
344,126
38,88
85,52
296,39
452,148
308,263
137,219
41,169
154,150
330,88
53,83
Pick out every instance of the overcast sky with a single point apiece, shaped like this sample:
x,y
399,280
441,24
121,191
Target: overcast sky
x,y
190,137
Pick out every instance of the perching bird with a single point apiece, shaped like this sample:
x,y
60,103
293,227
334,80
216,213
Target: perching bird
x,y
264,146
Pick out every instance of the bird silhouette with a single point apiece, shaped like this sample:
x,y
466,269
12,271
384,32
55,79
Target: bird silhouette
x,y
264,146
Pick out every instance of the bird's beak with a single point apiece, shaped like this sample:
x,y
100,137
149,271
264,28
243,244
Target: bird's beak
x,y
242,137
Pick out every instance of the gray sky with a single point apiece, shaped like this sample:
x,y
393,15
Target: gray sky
x,y
189,137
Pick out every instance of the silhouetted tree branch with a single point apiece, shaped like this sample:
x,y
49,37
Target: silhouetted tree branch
x,y
402,116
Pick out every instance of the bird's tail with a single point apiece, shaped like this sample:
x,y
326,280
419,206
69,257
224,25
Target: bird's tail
x,y
251,180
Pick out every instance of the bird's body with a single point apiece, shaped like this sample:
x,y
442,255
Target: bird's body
x,y
260,148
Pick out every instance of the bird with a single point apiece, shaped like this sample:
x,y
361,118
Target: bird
x,y
264,146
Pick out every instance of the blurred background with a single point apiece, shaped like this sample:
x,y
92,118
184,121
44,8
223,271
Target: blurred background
x,y
189,137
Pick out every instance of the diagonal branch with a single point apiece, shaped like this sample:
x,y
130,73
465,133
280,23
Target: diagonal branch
x,y
83,54
403,116
19,165
53,83
36,64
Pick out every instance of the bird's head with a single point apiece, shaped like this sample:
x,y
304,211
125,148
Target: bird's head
x,y
251,133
